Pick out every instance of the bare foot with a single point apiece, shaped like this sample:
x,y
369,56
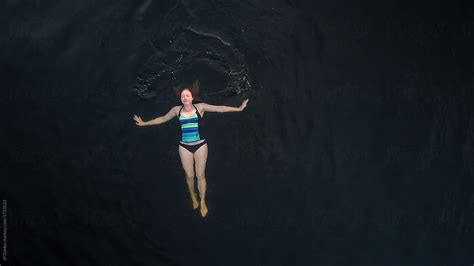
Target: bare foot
x,y
203,209
195,201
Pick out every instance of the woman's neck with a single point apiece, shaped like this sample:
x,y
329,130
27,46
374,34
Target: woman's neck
x,y
188,107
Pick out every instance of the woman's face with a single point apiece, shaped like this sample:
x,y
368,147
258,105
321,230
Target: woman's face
x,y
186,97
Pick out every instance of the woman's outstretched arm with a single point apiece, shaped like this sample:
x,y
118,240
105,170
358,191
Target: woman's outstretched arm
x,y
159,120
223,109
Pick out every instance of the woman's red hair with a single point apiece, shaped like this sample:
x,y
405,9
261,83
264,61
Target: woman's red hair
x,y
194,89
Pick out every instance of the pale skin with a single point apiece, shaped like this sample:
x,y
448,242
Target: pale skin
x,y
194,165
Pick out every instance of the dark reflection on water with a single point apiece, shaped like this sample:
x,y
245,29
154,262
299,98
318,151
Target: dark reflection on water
x,y
356,146
187,47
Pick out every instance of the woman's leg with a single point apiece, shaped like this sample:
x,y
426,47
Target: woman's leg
x,y
200,158
187,160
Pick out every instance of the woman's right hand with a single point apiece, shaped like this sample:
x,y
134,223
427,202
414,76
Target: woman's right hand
x,y
138,120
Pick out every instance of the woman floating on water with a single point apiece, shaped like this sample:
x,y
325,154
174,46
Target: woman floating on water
x,y
193,146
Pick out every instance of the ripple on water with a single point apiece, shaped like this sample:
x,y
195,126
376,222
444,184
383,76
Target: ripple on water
x,y
193,54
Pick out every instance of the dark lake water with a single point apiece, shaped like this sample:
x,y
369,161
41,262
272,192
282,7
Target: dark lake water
x,y
356,147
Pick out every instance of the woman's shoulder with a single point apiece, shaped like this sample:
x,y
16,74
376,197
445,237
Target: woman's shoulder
x,y
175,109
200,106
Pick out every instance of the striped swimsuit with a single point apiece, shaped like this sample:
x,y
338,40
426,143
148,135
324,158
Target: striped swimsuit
x,y
190,130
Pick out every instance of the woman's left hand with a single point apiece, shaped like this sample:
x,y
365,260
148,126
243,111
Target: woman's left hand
x,y
244,104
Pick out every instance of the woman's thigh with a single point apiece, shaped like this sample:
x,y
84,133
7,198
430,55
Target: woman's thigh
x,y
200,159
187,160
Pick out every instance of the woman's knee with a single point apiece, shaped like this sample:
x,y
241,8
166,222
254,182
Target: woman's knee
x,y
200,176
189,177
